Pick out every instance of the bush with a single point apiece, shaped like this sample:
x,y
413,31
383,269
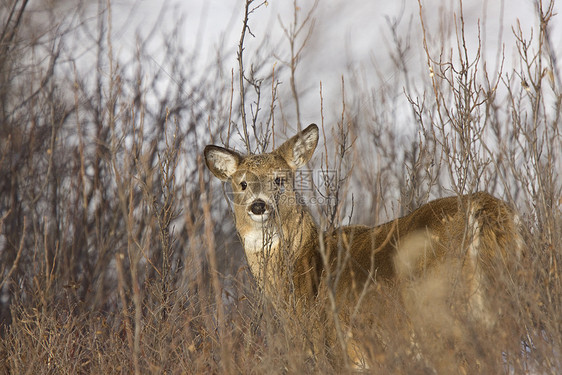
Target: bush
x,y
118,251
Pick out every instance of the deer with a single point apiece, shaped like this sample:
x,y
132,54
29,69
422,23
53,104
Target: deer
x,y
289,254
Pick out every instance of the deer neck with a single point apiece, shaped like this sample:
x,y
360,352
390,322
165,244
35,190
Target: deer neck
x,y
272,250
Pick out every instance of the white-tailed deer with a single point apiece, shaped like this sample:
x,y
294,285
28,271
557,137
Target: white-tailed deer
x,y
288,252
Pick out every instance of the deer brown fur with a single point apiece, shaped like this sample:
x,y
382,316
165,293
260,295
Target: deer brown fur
x,y
287,251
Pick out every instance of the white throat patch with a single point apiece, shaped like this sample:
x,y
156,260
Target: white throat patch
x,y
256,240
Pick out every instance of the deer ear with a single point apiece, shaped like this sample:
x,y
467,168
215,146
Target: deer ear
x,y
298,150
221,161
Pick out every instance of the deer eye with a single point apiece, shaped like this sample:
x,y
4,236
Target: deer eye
x,y
279,181
243,185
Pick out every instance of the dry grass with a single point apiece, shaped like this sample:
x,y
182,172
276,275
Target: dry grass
x,y
118,251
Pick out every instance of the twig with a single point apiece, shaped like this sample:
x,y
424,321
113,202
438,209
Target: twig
x,y
18,255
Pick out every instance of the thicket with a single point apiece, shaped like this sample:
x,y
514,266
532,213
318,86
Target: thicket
x,y
118,253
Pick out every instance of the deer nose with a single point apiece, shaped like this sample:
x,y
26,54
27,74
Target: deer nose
x,y
258,207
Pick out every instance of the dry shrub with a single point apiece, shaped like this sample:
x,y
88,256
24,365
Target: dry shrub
x,y
119,255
